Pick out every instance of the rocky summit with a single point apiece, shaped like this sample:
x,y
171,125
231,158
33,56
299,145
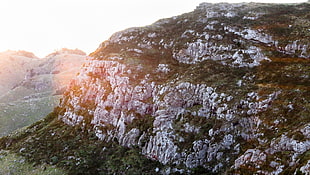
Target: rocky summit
x,y
224,89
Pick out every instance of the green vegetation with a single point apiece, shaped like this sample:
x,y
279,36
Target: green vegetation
x,y
20,113
13,164
77,150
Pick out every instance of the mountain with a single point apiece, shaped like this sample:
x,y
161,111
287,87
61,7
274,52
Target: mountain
x,y
14,65
31,87
224,89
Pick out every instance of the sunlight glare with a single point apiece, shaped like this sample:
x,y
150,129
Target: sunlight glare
x,y
45,26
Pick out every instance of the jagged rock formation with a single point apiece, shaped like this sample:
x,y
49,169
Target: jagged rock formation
x,y
31,87
223,89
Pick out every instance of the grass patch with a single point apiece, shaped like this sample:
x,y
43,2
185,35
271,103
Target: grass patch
x,y
77,150
13,164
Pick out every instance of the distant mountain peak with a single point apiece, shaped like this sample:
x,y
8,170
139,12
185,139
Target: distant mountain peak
x,y
19,53
67,51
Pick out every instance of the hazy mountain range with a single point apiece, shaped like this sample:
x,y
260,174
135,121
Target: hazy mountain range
x,y
31,87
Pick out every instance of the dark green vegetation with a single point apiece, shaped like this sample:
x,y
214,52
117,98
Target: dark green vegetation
x,y
269,104
15,165
51,142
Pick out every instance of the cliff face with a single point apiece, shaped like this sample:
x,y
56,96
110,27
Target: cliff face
x,y
223,89
226,86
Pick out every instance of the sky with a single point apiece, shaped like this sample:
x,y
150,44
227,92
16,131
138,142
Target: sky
x,y
44,26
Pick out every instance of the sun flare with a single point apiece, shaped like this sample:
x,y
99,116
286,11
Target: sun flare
x,y
42,27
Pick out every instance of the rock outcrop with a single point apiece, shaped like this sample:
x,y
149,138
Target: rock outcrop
x,y
223,89
201,81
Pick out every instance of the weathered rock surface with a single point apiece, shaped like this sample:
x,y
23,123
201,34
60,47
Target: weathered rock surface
x,y
223,89
202,79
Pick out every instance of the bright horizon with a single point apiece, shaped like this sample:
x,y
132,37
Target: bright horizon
x,y
43,26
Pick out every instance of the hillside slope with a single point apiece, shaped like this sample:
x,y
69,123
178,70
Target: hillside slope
x,y
223,89
14,65
31,87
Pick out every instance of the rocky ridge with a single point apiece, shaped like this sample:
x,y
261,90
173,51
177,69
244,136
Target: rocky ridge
x,y
220,90
123,90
